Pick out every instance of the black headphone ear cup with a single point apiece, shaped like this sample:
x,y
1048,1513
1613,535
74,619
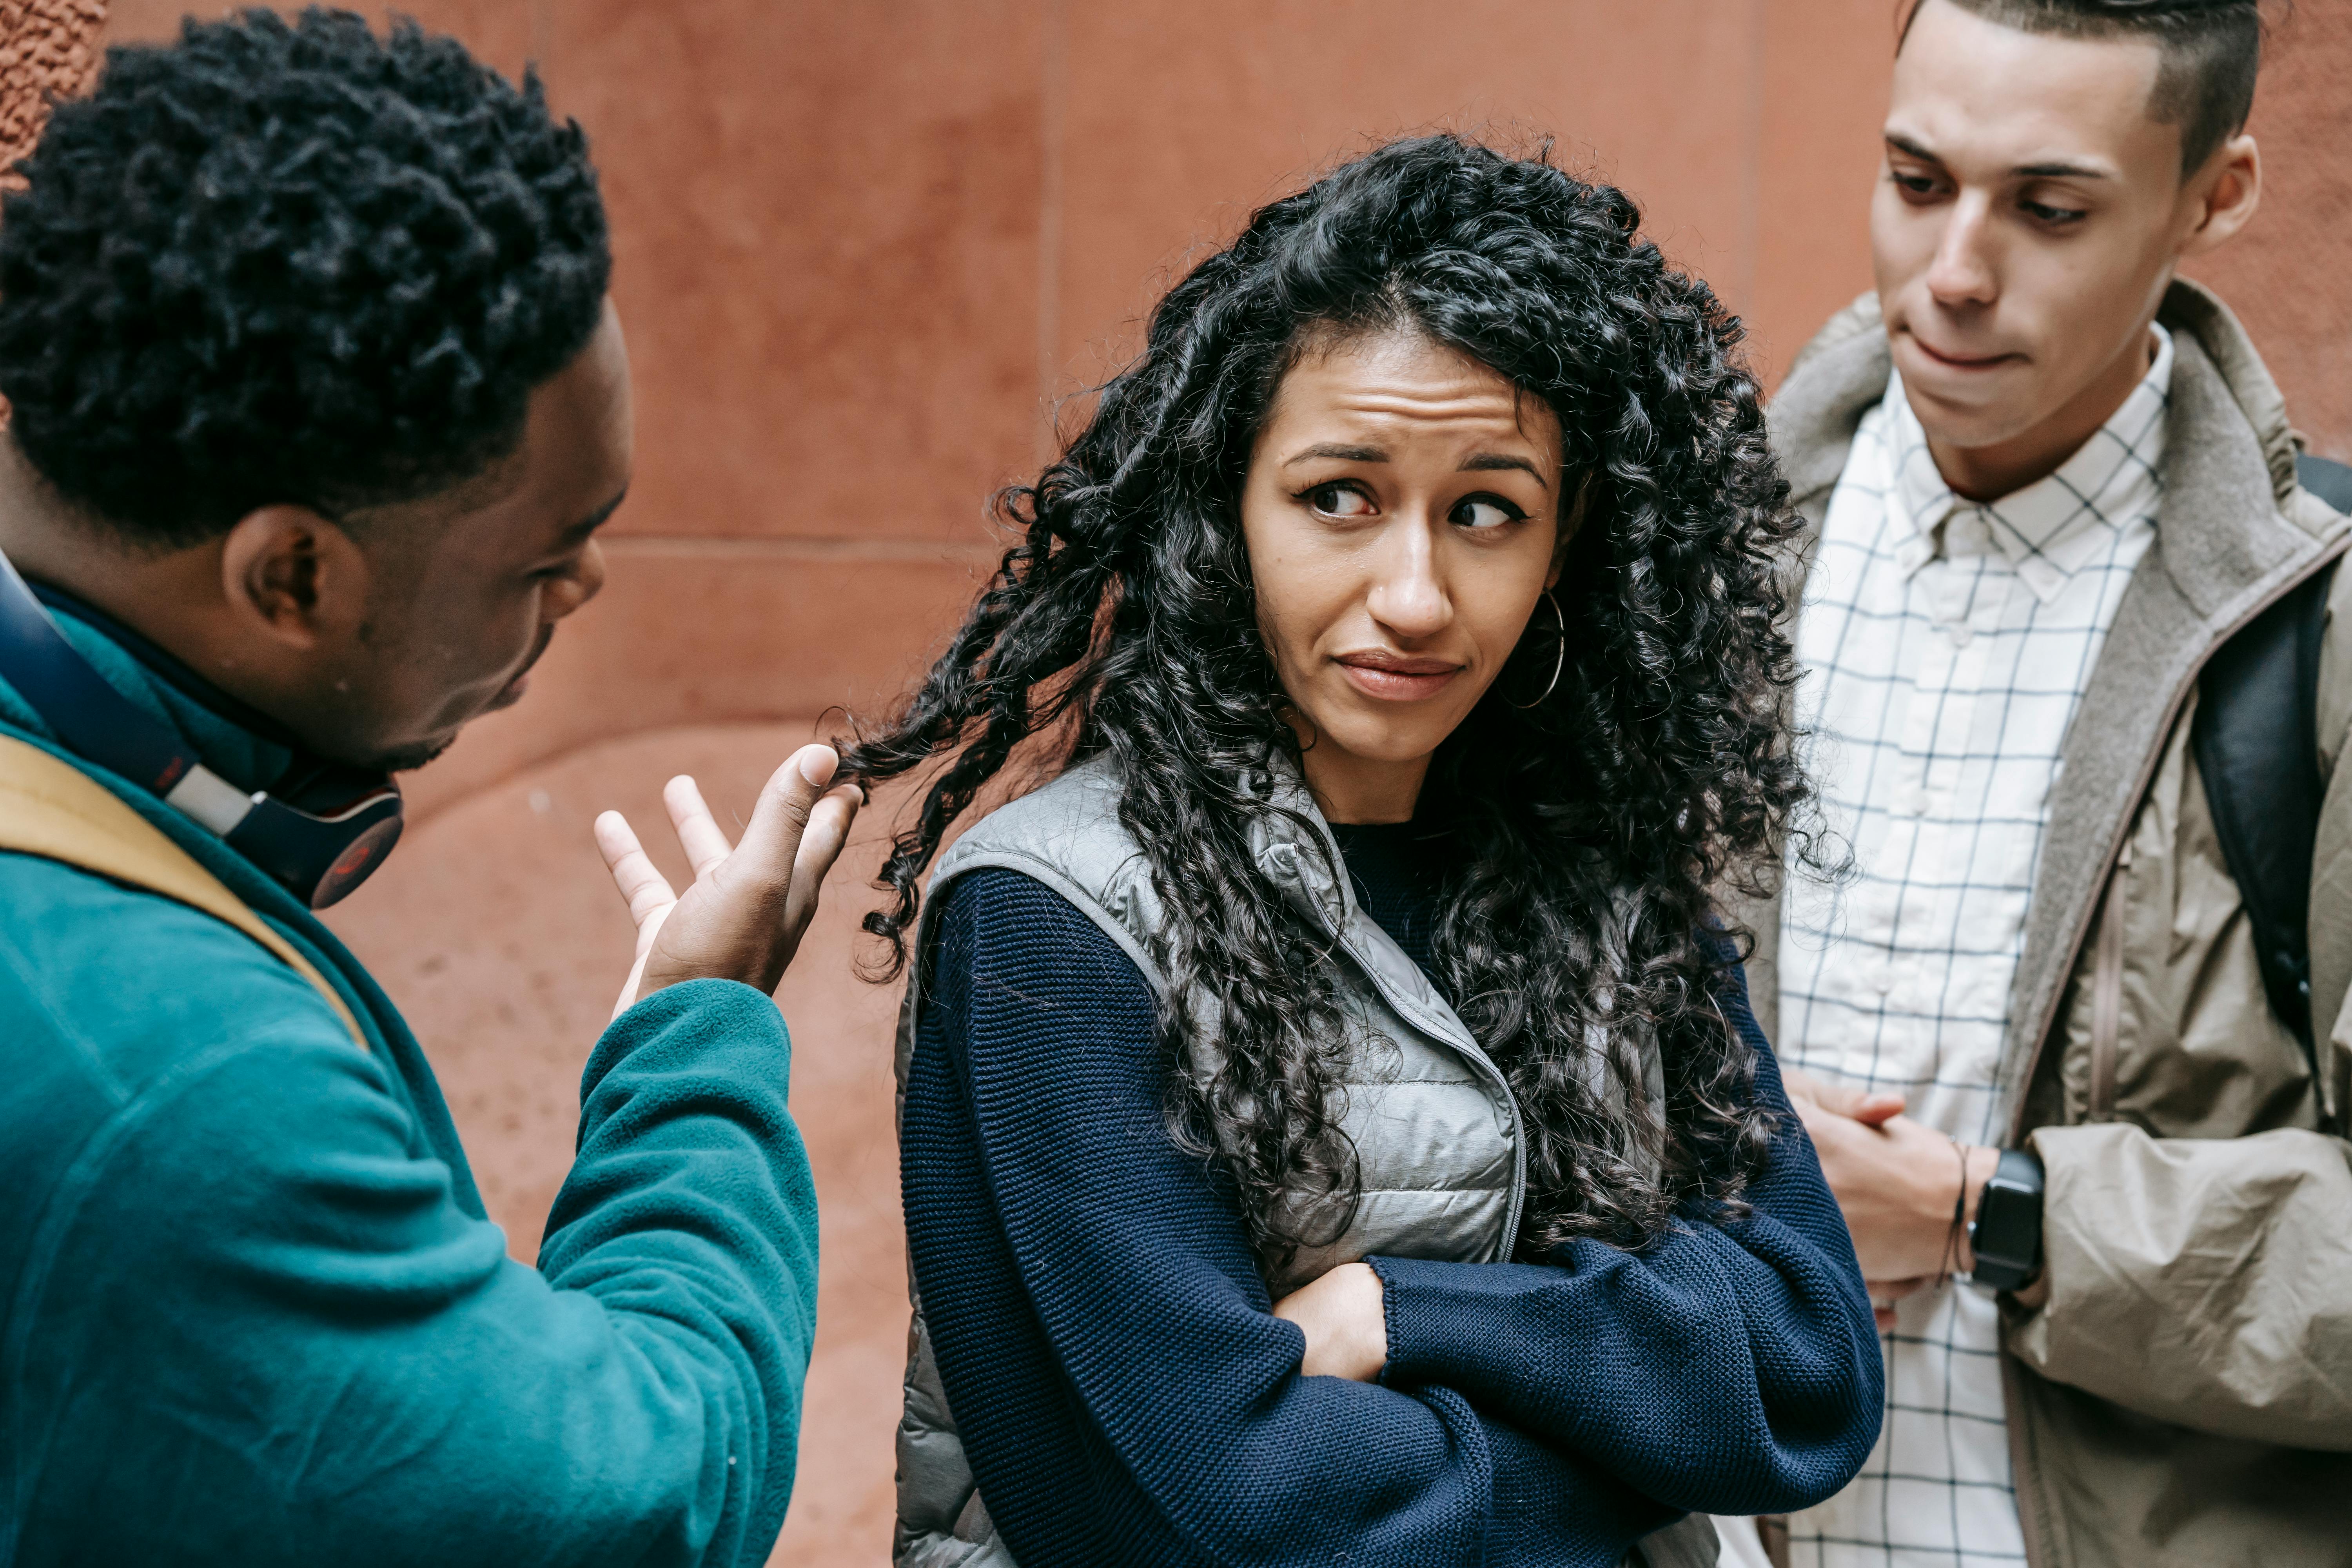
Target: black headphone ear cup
x,y
359,859
320,858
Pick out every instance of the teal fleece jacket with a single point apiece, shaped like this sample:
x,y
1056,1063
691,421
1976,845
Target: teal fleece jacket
x,y
251,1310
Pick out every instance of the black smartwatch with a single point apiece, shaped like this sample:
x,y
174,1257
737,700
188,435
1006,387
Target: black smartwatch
x,y
2007,1235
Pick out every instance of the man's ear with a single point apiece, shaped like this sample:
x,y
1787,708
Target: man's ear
x,y
293,576
2220,197
1571,523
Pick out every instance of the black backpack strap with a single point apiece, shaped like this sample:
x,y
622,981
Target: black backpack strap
x,y
2330,480
2257,745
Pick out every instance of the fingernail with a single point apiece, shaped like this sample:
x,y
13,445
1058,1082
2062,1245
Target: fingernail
x,y
817,765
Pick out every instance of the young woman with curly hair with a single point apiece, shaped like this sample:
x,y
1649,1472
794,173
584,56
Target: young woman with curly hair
x,y
1333,1128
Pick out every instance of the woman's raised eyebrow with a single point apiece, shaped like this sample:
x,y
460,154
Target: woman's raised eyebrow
x,y
1339,453
1494,462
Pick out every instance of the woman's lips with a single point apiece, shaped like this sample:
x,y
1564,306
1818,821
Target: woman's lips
x,y
1396,680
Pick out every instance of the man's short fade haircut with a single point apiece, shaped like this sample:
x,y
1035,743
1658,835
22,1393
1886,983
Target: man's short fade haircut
x,y
2210,51
280,261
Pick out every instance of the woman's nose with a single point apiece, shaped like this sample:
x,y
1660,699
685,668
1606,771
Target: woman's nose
x,y
1408,594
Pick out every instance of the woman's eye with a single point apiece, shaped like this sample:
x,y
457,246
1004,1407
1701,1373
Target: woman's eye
x,y
1484,511
1339,501
1914,185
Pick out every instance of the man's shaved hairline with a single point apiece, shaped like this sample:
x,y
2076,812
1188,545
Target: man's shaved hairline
x,y
2191,50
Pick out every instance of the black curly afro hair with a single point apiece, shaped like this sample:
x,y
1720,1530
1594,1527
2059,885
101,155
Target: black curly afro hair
x,y
290,261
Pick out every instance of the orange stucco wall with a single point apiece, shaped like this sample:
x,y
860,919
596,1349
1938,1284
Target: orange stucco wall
x,y
863,249
46,49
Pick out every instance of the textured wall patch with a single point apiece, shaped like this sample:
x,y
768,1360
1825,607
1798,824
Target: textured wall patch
x,y
48,49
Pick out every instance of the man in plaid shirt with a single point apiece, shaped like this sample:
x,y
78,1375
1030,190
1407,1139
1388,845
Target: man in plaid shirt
x,y
2045,481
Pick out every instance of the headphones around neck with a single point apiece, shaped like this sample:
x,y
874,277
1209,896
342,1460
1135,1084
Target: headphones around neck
x,y
318,856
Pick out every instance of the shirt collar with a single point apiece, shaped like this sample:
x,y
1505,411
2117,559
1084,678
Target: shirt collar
x,y
2054,526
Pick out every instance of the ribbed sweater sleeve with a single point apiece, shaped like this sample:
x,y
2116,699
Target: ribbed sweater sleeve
x,y
1730,1368
1123,1393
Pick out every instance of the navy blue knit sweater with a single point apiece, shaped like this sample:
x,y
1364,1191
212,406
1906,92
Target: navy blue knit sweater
x,y
1125,1397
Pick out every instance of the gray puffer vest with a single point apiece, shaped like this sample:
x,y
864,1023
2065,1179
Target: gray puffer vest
x,y
1434,1125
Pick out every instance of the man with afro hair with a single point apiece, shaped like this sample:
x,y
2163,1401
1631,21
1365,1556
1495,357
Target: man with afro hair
x,y
316,401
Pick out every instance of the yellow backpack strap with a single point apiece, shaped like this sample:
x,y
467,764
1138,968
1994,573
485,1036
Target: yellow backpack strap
x,y
53,809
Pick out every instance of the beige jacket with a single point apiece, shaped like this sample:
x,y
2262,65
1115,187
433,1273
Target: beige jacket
x,y
2185,1397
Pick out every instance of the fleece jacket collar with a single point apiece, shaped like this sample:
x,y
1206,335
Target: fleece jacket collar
x,y
236,749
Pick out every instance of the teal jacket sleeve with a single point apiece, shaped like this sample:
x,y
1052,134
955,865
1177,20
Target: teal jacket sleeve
x,y
256,1329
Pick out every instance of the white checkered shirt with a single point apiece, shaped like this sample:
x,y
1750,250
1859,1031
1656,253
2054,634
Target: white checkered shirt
x,y
1944,646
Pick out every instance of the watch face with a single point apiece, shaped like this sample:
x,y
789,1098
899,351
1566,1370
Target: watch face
x,y
2007,1236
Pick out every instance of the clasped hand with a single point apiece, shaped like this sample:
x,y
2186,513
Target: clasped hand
x,y
743,915
1897,1179
1344,1316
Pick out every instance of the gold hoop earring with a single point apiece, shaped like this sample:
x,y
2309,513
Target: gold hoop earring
x,y
1560,654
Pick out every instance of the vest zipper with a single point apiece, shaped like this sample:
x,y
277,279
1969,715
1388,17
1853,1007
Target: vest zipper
x,y
1468,1048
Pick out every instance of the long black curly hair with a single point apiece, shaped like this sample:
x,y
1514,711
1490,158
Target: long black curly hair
x,y
278,261
1588,833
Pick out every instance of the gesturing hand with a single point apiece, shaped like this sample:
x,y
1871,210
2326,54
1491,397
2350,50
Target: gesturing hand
x,y
1345,1317
742,917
